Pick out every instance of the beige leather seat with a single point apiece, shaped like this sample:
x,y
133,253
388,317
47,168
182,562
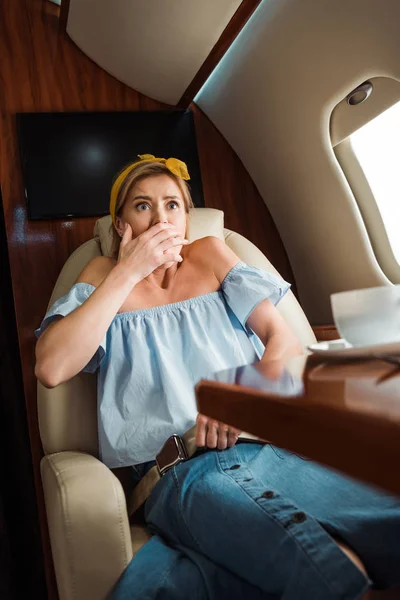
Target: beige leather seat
x,y
91,539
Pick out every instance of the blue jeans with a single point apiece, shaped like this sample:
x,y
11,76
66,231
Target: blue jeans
x,y
257,522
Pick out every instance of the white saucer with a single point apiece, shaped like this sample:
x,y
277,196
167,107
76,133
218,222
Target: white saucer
x,y
342,349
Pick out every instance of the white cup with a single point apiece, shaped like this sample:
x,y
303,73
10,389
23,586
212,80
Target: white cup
x,y
368,317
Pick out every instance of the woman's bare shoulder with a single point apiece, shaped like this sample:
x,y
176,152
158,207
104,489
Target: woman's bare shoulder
x,y
207,244
96,270
216,254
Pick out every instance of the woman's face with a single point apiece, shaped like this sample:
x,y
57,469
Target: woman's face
x,y
153,200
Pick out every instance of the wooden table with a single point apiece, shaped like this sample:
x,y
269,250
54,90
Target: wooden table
x,y
344,415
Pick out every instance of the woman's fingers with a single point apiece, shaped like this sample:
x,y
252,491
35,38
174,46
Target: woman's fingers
x,y
214,434
127,235
171,257
149,250
157,229
223,433
172,242
201,430
228,436
206,432
161,237
233,435
161,231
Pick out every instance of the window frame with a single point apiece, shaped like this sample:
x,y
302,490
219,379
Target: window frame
x,y
369,209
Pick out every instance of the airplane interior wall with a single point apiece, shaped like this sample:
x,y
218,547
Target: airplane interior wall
x,y
272,96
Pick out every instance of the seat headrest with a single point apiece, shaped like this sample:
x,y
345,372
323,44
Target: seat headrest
x,y
202,222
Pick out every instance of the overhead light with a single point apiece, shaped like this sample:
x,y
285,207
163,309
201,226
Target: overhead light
x,y
360,94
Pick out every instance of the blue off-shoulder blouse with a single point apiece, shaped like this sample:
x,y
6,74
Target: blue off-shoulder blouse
x,y
150,359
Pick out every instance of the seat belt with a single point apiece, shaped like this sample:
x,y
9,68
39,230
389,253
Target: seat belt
x,y
166,459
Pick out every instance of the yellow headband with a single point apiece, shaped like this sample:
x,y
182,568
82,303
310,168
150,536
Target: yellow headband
x,y
176,166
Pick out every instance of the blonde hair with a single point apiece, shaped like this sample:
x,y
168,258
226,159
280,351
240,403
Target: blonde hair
x,y
138,173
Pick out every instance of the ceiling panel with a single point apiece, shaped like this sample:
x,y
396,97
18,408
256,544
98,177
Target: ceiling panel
x,y
155,47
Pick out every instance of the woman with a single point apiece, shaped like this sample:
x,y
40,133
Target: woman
x,y
236,520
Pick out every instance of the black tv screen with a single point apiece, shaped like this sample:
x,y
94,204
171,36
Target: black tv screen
x,y
69,160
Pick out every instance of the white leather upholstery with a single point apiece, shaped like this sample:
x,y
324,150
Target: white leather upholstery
x,y
74,266
85,503
88,522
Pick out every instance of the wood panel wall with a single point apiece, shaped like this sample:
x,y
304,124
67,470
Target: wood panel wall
x,y
41,70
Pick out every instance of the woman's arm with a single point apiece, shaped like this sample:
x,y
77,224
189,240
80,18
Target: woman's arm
x,y
67,345
265,320
279,340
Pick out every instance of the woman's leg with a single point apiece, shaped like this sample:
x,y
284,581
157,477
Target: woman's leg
x,y
364,519
220,507
160,572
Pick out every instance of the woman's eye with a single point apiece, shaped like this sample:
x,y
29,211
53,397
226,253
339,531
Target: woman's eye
x,y
173,205
142,206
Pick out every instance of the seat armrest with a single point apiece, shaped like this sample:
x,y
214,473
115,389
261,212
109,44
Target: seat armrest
x,y
88,524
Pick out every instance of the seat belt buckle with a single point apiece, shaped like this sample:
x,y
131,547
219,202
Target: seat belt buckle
x,y
172,453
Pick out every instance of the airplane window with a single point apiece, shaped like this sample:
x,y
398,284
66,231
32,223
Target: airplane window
x,y
377,147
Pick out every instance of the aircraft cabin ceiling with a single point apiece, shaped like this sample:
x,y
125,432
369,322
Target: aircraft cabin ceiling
x,y
156,47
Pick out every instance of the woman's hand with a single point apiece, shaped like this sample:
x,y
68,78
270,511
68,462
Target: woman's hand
x,y
271,369
214,434
151,249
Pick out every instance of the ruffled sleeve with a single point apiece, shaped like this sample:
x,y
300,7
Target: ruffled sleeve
x,y
245,287
63,307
